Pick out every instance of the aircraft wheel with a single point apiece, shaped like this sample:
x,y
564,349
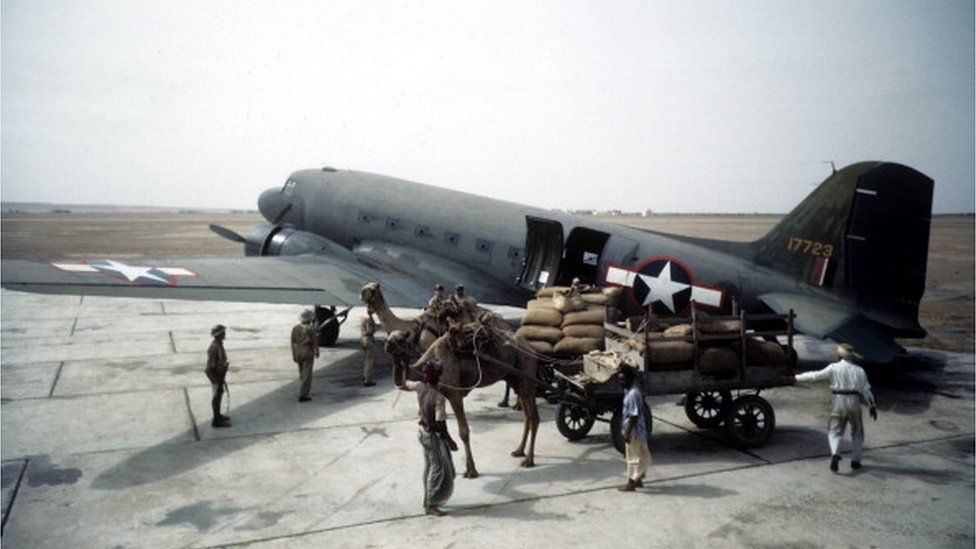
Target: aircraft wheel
x,y
329,334
616,427
750,421
574,422
708,409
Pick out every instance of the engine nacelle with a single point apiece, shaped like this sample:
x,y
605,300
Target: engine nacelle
x,y
276,240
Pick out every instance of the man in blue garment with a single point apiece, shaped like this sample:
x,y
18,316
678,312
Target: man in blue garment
x,y
634,430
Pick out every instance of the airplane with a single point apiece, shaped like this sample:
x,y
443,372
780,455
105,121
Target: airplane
x,y
849,260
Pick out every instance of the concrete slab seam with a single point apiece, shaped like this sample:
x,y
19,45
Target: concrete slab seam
x,y
13,495
189,411
172,342
57,376
74,324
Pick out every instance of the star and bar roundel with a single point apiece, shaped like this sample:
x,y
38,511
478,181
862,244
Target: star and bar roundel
x,y
143,275
664,284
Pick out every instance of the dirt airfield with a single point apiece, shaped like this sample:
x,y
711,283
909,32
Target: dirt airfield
x,y
947,309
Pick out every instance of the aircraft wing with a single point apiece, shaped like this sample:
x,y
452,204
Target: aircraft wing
x,y
302,279
838,321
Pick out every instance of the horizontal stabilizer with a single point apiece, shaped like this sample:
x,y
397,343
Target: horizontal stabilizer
x,y
837,321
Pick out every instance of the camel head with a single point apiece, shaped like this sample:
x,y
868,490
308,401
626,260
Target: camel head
x,y
371,295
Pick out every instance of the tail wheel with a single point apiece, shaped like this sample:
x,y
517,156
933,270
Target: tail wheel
x,y
750,421
330,333
708,409
574,422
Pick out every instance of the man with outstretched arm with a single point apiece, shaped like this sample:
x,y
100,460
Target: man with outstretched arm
x,y
850,388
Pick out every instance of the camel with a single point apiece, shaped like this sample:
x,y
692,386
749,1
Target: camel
x,y
463,372
424,329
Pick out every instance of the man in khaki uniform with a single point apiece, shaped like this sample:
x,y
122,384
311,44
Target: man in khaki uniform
x,y
304,351
217,373
367,328
466,307
436,300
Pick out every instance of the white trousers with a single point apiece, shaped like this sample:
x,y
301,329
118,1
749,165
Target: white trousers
x,y
846,410
638,458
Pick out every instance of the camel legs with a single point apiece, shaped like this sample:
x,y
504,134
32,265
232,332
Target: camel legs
x,y
530,412
457,404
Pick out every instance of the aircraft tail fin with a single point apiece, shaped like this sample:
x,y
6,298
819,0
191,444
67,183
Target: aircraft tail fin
x,y
864,232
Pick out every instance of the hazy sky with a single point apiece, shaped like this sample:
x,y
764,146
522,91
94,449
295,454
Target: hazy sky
x,y
674,106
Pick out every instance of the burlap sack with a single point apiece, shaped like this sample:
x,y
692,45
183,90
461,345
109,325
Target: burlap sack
x,y
718,361
762,353
669,352
567,303
678,330
547,292
540,333
592,316
595,299
543,317
540,346
594,331
578,345
545,303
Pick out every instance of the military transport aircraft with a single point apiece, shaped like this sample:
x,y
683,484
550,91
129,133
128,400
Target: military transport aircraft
x,y
849,260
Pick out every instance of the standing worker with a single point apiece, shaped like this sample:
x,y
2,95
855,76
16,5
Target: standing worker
x,y
436,300
217,373
634,429
367,328
850,388
304,351
438,465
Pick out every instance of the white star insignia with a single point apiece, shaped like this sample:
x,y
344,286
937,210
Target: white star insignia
x,y
130,272
662,288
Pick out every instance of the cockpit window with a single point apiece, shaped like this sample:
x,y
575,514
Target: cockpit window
x,y
289,187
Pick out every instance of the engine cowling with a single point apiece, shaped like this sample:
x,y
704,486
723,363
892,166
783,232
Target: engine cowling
x,y
278,240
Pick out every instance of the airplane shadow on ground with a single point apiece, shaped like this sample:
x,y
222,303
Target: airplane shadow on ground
x,y
335,387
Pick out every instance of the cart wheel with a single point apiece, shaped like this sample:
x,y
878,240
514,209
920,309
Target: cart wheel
x,y
708,409
574,422
616,426
750,421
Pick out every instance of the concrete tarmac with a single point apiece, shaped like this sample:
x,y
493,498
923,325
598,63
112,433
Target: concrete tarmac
x,y
106,442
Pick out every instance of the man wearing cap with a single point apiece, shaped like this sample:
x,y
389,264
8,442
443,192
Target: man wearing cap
x,y
367,329
850,388
436,300
304,351
466,307
217,373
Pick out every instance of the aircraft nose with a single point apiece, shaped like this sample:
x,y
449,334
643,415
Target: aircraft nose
x,y
271,203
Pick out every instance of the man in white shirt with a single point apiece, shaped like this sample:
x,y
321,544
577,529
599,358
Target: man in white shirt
x,y
850,388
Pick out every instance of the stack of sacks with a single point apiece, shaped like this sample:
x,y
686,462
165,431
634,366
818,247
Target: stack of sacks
x,y
566,322
764,353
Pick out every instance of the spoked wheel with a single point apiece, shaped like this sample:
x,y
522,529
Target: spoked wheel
x,y
750,421
574,422
708,409
616,427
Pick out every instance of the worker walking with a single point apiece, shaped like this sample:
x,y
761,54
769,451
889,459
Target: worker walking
x,y
634,429
438,465
367,328
850,388
217,374
304,351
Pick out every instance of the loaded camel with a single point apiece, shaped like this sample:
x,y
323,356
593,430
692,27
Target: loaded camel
x,y
428,326
463,371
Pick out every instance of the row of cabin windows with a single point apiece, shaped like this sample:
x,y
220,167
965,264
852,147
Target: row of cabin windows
x,y
454,239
